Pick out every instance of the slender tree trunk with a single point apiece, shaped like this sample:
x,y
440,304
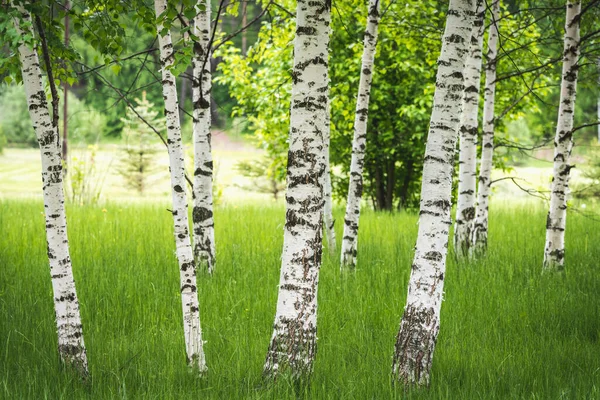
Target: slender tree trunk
x,y
480,227
189,296
467,164
204,225
328,220
293,343
66,305
244,13
359,142
391,183
598,61
563,143
183,91
65,140
420,323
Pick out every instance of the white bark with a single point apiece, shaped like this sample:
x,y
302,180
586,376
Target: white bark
x,y
66,305
359,143
563,143
204,225
189,296
467,162
480,228
328,221
419,327
294,337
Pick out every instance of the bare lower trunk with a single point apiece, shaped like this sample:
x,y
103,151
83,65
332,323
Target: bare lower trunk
x,y
189,295
563,143
359,143
204,224
328,220
419,327
66,304
467,164
293,343
480,228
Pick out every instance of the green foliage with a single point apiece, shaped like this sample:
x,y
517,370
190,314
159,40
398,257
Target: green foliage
x,y
589,189
507,332
401,94
84,180
137,162
85,123
2,139
14,118
262,176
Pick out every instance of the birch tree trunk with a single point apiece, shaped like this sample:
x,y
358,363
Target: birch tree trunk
x,y
189,298
467,162
359,143
66,304
563,143
328,221
202,215
480,228
419,327
293,343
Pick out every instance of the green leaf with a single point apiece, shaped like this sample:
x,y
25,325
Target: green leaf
x,y
115,68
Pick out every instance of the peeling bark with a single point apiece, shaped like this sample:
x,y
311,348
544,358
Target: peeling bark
x,y
419,327
202,215
359,143
71,346
189,296
467,162
480,227
293,344
563,143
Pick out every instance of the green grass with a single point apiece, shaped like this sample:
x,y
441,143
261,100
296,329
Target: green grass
x,y
507,331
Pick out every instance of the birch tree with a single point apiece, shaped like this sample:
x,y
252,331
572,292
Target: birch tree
x,y
328,221
420,323
359,142
563,142
293,343
480,227
189,297
467,162
202,215
71,346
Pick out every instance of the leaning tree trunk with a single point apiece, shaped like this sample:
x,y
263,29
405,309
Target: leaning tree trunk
x,y
420,323
563,143
202,215
480,227
359,143
293,344
189,295
66,305
467,161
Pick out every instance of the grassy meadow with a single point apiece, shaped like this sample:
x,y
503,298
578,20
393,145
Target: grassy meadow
x,y
507,331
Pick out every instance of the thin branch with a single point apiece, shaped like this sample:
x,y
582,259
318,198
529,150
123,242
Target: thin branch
x,y
46,55
132,108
